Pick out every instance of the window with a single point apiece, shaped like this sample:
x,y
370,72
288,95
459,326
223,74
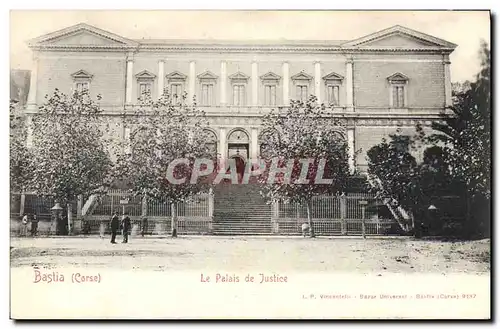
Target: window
x,y
239,81
302,93
176,91
176,80
144,89
332,95
207,91
398,98
145,80
270,81
302,82
238,95
332,83
207,87
270,95
81,86
81,81
398,84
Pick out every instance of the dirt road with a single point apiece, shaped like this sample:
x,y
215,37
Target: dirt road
x,y
395,255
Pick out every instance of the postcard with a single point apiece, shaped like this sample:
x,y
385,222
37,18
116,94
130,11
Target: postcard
x,y
250,165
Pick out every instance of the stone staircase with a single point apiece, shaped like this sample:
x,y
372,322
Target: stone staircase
x,y
240,210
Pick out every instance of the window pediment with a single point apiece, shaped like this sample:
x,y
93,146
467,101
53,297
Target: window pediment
x,y
398,78
239,77
333,78
270,77
301,77
176,76
207,76
82,75
145,75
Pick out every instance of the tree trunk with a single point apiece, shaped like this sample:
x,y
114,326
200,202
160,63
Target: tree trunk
x,y
70,218
174,219
309,219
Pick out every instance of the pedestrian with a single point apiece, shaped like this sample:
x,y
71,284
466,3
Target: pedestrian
x,y
126,227
144,225
305,229
24,225
115,223
34,224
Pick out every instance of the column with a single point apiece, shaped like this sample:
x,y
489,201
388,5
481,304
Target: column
x,y
161,77
317,80
222,144
254,146
349,85
130,80
255,84
286,83
447,84
29,130
223,82
31,104
350,145
126,137
192,81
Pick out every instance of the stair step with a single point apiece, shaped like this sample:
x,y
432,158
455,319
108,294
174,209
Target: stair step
x,y
241,210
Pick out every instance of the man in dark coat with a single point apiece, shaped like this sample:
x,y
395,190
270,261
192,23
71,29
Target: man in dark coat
x,y
34,224
126,227
144,225
115,224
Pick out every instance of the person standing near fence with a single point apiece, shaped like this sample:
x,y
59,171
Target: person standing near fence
x,y
115,224
126,227
34,225
24,225
144,225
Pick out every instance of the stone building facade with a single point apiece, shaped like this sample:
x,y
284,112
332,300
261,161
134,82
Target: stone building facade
x,y
391,79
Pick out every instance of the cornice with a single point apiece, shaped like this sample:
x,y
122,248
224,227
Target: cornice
x,y
289,49
83,48
238,49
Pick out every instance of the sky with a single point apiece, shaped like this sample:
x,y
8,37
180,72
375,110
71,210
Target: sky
x,y
464,28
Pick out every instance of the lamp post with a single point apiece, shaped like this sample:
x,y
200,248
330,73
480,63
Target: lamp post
x,y
363,204
56,211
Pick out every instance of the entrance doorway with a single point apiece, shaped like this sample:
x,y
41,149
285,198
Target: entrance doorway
x,y
240,167
238,147
239,153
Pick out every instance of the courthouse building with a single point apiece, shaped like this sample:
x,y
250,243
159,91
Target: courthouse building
x,y
394,78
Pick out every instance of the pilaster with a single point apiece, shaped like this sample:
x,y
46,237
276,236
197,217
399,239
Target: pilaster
x,y
161,77
317,81
286,84
349,85
192,81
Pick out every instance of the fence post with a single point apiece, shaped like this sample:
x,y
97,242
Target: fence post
x,y
363,204
21,204
144,206
275,213
79,206
211,202
77,222
343,208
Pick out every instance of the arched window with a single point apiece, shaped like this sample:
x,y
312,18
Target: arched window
x,y
264,145
211,141
238,136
